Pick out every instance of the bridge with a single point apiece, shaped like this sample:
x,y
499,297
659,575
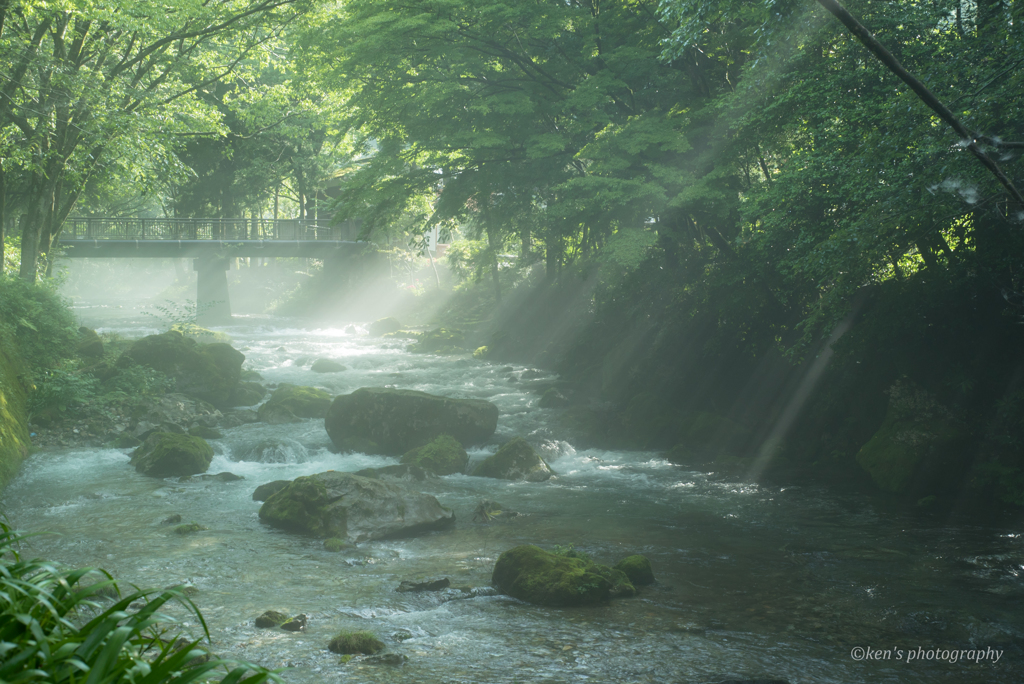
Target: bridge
x,y
211,243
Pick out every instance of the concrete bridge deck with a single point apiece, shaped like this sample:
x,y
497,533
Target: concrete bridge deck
x,y
212,244
172,249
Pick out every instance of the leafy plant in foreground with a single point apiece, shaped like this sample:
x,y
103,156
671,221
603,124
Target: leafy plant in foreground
x,y
183,318
53,628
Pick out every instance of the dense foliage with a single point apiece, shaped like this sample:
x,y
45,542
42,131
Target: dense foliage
x,y
35,324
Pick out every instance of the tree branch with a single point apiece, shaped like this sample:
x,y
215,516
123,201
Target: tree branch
x,y
925,95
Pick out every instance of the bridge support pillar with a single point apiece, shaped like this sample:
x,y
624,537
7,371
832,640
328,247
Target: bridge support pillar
x,y
212,301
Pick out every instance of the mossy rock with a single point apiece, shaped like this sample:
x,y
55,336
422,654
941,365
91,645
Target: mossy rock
x,y
299,401
168,454
440,341
354,508
443,456
534,575
276,414
250,376
637,568
205,432
247,394
552,398
363,642
908,455
90,346
394,421
189,528
481,352
201,334
516,460
204,371
335,545
294,624
621,585
383,326
265,491
402,335
326,366
400,472
271,618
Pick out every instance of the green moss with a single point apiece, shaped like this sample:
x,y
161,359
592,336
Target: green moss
x,y
271,618
893,454
531,574
14,436
402,335
480,352
356,642
621,586
201,334
298,507
335,544
304,402
206,371
443,456
637,568
167,454
515,460
189,528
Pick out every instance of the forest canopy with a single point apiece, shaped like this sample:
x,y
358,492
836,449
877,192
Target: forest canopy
x,y
758,151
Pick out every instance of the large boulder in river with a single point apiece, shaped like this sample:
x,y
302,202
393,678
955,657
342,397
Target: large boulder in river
x,y
326,366
443,456
516,460
291,402
534,575
205,371
393,421
383,326
354,508
168,454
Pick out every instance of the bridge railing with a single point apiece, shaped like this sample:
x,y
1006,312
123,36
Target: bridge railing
x,y
205,229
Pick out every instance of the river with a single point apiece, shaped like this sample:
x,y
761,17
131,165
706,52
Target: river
x,y
753,581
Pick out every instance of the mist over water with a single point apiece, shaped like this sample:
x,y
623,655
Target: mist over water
x,y
753,581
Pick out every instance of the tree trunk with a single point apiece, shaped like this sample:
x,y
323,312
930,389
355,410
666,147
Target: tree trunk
x,y
40,208
550,257
493,242
494,266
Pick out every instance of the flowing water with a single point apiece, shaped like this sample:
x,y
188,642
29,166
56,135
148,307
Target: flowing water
x,y
753,581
